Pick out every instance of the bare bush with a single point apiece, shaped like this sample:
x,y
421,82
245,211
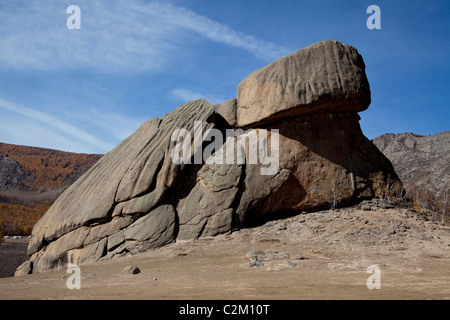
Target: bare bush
x,y
387,189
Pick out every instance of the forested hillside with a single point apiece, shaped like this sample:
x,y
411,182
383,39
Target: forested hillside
x,y
30,180
47,168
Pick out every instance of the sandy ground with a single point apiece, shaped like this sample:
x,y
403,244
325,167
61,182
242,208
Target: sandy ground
x,y
322,255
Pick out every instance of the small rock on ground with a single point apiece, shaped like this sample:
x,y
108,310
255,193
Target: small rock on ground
x,y
131,270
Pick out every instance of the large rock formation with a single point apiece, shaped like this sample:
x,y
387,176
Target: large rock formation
x,y
139,197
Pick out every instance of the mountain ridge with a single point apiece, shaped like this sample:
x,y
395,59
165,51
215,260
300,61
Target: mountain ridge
x,y
48,168
421,162
31,178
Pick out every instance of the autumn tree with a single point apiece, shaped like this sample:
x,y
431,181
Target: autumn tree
x,y
49,168
400,194
378,184
19,218
335,189
386,188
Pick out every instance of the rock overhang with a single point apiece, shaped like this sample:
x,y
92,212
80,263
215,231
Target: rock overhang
x,y
327,76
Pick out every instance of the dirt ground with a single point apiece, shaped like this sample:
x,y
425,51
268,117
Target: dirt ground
x,y
12,253
322,255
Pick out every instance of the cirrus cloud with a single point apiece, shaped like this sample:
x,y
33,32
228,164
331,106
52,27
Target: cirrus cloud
x,y
115,36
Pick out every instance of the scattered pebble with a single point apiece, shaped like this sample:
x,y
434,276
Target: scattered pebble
x,y
131,270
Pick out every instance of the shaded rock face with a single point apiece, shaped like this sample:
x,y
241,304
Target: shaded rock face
x,y
136,198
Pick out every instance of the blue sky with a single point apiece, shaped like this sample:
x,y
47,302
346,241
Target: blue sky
x,y
86,90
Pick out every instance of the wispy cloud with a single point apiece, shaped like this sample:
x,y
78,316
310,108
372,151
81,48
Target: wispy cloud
x,y
215,31
43,124
117,39
115,36
114,125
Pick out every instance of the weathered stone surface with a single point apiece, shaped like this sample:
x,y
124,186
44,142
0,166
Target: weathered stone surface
x,y
228,110
127,183
207,208
92,197
90,253
327,76
136,198
322,157
131,270
24,269
157,227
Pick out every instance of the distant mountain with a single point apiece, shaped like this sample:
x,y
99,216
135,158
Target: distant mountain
x,y
31,173
421,162
31,179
